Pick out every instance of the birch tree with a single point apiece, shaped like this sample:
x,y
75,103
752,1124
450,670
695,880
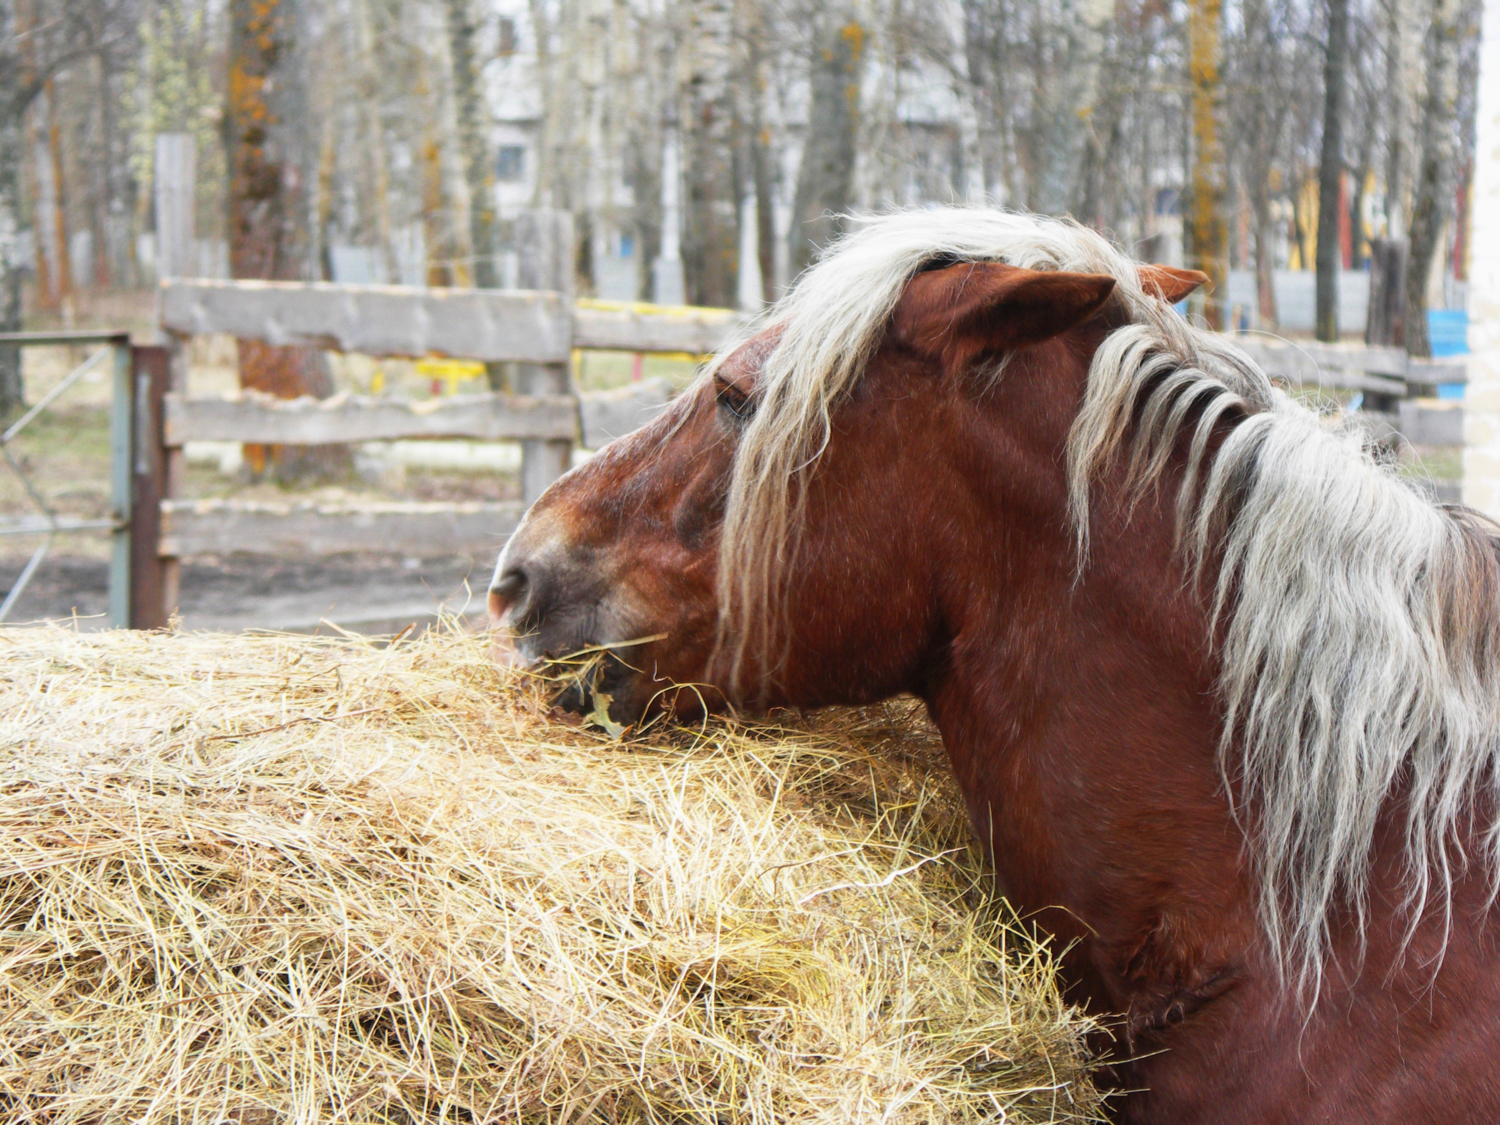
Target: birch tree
x,y
1435,173
473,120
825,184
268,134
1331,170
1208,182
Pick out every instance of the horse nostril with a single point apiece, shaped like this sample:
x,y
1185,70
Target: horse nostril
x,y
508,591
512,584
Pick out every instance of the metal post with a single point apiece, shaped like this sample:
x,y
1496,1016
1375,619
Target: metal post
x,y
121,465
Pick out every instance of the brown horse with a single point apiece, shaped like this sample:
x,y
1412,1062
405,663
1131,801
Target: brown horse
x,y
1222,693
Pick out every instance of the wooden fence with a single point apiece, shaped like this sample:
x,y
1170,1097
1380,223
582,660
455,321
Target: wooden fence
x,y
536,332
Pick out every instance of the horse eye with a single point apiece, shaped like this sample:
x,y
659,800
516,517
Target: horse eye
x,y
740,405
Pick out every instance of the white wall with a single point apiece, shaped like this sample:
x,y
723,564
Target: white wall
x,y
1482,398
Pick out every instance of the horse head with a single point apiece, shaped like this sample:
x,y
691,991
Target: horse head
x,y
622,555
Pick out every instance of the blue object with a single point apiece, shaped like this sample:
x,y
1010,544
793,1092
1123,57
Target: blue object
x,y
1450,390
1448,332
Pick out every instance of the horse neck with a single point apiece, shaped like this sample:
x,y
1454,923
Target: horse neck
x,y
1080,717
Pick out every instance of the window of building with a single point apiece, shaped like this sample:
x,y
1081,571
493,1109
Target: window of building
x,y
507,44
510,163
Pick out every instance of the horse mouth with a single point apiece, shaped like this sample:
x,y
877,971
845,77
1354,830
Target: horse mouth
x,y
570,650
592,680
594,684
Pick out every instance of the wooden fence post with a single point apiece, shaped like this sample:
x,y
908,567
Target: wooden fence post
x,y
174,470
544,252
176,197
150,372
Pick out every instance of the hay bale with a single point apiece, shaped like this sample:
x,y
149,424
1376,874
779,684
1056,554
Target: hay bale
x,y
270,878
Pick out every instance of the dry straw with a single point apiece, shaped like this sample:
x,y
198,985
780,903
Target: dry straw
x,y
283,879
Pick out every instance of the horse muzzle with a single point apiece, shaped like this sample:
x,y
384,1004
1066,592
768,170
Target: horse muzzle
x,y
549,610
564,619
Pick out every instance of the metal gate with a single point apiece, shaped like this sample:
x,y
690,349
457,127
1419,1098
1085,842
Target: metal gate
x,y
131,437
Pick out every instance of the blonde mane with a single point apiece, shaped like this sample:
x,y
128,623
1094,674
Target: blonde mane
x,y
1360,623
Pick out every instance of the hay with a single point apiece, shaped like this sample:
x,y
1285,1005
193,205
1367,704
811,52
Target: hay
x,y
266,878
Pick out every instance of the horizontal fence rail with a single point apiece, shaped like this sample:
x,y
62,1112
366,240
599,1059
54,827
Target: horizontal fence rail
x,y
537,331
378,320
593,419
405,321
344,418
606,415
223,527
1334,366
608,326
1377,370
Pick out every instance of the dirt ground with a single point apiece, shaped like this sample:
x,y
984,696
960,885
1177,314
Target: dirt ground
x,y
66,456
360,593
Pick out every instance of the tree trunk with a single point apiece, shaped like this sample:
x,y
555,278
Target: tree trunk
x,y
46,289
473,116
825,183
765,214
1265,256
271,167
1100,107
1430,207
760,156
1208,229
12,397
1331,169
103,182
1400,81
323,208
13,103
377,162
710,248
644,162
62,260
1386,322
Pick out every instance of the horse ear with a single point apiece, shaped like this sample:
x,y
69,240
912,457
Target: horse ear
x,y
1170,283
959,311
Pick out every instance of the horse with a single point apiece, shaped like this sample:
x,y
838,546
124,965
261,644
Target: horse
x,y
1220,689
